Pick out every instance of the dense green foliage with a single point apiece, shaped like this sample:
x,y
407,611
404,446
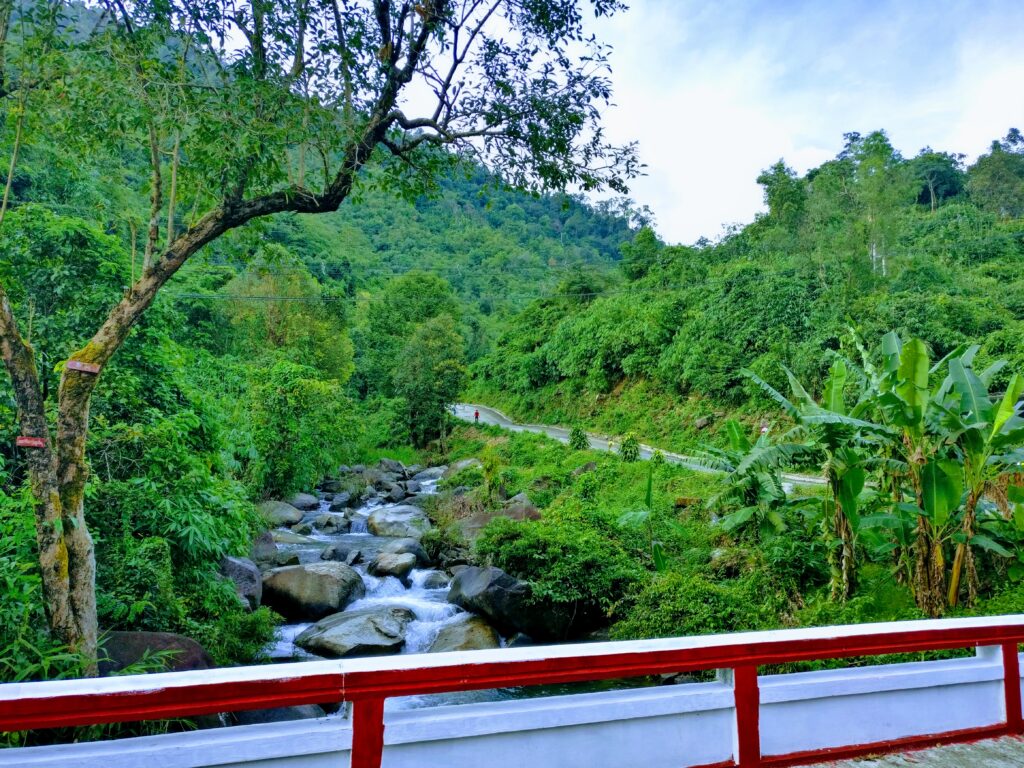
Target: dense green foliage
x,y
858,241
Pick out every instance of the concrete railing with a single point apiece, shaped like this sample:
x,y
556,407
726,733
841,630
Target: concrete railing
x,y
742,719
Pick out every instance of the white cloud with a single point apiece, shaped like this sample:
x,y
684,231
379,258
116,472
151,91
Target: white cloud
x,y
715,93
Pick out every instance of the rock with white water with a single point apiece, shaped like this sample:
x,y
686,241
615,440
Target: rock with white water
x,y
410,546
405,521
390,564
303,529
279,513
431,473
342,553
342,500
332,523
247,579
304,501
469,633
462,465
435,580
290,537
366,632
410,486
395,493
312,591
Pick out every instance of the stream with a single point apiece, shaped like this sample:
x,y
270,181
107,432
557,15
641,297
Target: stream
x,y
429,605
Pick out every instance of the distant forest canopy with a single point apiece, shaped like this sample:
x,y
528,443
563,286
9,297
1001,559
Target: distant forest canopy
x,y
870,241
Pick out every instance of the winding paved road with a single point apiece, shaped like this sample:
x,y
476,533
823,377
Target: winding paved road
x,y
488,415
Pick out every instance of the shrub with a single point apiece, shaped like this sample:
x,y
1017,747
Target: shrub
x,y
630,448
677,604
569,562
578,439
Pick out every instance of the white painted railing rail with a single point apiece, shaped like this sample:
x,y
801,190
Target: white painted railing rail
x,y
770,718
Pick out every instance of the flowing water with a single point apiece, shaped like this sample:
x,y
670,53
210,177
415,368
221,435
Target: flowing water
x,y
430,608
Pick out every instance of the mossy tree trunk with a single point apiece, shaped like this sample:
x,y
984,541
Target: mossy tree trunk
x,y
58,469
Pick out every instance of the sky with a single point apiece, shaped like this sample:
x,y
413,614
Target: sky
x,y
715,92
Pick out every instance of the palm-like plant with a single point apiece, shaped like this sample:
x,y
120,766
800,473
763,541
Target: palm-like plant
x,y
945,439
834,439
988,437
753,490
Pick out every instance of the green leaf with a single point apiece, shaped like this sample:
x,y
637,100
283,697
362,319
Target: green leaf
x,y
892,348
986,543
1008,407
942,487
974,398
881,521
658,555
773,393
850,485
912,387
736,519
989,373
834,386
799,393
737,437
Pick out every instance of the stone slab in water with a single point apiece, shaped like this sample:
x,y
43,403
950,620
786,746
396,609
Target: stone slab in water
x,y
366,632
311,591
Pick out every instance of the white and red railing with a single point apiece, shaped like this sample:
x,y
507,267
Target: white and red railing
x,y
366,683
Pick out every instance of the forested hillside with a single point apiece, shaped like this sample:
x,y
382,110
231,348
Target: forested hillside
x,y
277,355
868,242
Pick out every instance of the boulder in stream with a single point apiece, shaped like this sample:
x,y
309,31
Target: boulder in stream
x,y
332,523
342,500
264,549
304,501
341,553
395,493
247,579
405,521
279,513
431,473
469,633
507,603
391,564
408,546
436,580
311,591
366,632
392,466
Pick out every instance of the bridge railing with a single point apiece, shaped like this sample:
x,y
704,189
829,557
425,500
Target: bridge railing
x,y
366,683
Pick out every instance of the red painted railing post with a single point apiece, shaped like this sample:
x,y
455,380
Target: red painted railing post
x,y
367,733
1011,688
748,714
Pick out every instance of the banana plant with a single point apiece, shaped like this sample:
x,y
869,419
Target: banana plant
x,y
989,434
643,517
835,439
753,490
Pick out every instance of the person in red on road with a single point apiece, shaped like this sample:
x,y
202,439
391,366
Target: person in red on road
x,y
476,416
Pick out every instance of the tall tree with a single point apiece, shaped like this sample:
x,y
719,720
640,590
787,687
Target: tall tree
x,y
246,110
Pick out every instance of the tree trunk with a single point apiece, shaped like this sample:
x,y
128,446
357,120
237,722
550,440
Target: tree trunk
x,y
962,551
929,572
